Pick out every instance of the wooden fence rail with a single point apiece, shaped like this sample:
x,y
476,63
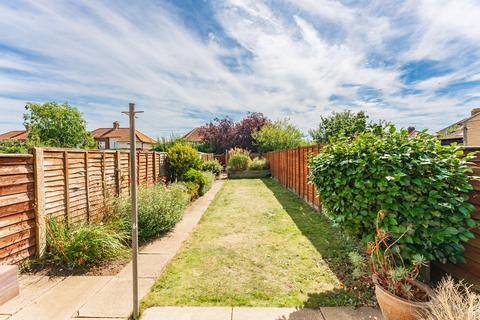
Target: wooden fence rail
x,y
290,168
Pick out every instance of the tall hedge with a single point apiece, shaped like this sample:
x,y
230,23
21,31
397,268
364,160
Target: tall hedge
x,y
420,185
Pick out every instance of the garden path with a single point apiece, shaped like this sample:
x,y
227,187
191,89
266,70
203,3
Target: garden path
x,y
102,297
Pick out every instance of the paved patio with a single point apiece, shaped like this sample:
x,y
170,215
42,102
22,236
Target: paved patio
x,y
102,297
247,313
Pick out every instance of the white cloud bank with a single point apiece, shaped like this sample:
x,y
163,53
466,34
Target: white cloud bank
x,y
101,55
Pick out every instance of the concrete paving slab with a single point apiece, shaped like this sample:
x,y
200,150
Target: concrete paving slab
x,y
115,299
31,288
348,313
61,301
169,245
4,317
98,319
188,313
149,266
247,313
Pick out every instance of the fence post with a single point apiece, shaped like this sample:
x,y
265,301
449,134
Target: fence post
x,y
87,186
154,167
40,219
67,186
118,172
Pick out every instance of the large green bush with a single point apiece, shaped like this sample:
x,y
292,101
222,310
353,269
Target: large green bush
x,y
196,177
160,207
238,162
212,166
180,158
83,245
420,185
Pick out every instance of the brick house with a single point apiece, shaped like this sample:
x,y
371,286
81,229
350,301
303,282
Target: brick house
x,y
194,136
465,131
119,138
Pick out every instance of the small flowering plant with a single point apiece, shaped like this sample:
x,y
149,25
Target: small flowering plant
x,y
390,270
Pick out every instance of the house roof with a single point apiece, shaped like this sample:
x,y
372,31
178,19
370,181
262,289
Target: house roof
x,y
15,134
122,134
194,135
458,134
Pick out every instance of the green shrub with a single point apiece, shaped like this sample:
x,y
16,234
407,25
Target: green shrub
x,y
197,177
209,179
180,158
14,146
160,207
259,164
420,185
238,162
192,189
83,245
212,166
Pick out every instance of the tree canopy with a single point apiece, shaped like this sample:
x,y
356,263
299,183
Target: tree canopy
x,y
278,135
56,125
339,124
224,134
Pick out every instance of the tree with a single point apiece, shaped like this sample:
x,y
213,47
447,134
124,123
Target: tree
x,y
55,125
224,134
278,135
244,129
220,134
339,124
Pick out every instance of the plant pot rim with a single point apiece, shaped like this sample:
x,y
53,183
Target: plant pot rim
x,y
416,283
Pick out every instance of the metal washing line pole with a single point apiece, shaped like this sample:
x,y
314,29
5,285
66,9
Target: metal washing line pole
x,y
133,193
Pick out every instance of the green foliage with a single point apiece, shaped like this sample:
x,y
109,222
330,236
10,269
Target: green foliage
x,y
163,144
212,166
55,125
358,263
14,146
238,162
259,164
209,179
193,175
205,147
160,207
180,158
278,135
420,185
83,245
339,124
192,189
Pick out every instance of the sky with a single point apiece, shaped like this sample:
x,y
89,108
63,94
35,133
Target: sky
x,y
185,62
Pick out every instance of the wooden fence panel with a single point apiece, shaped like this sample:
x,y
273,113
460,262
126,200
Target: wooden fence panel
x,y
17,216
290,168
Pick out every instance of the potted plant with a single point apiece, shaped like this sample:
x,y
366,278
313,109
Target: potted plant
x,y
399,294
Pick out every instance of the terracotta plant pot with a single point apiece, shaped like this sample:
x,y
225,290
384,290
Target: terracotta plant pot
x,y
396,308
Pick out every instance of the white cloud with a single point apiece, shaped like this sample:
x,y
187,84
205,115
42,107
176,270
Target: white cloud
x,y
300,53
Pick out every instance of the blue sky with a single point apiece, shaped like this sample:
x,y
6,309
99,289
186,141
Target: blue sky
x,y
186,61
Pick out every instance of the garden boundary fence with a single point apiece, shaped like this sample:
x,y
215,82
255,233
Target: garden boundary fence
x,y
290,168
69,184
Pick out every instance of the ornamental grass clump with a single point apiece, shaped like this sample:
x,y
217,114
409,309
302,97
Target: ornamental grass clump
x,y
259,164
83,245
160,207
420,185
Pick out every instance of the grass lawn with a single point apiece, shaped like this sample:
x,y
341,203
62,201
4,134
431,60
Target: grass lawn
x,y
260,245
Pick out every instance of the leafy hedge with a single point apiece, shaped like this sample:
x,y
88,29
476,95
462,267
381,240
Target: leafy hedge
x,y
160,207
212,166
420,185
180,158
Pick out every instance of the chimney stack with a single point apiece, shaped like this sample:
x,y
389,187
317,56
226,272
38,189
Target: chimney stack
x,y
410,129
474,111
116,125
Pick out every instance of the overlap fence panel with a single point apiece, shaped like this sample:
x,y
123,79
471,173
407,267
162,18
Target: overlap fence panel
x,y
17,201
290,168
71,185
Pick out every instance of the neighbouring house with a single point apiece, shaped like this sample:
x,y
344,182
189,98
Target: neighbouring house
x,y
20,135
412,132
465,131
195,135
118,138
